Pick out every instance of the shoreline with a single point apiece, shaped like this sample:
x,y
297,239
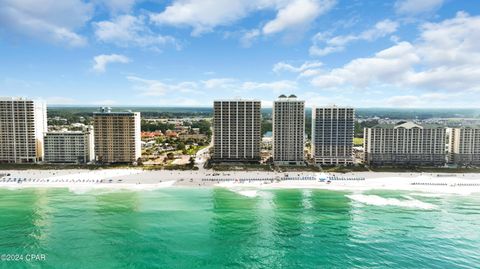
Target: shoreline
x,y
136,179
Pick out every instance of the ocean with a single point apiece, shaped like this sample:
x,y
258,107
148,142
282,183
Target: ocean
x,y
220,228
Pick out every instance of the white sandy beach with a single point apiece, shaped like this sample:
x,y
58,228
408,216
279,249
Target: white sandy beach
x,y
245,182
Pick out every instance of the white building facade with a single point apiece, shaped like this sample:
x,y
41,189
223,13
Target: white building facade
x,y
69,147
23,123
405,144
288,130
464,146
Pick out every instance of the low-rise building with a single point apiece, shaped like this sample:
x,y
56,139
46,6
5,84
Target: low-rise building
x,y
464,146
69,147
406,143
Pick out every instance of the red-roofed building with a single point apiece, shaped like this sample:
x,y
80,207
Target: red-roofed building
x,y
151,135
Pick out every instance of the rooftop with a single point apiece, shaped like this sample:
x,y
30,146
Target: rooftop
x,y
470,126
109,113
408,125
237,100
284,98
14,98
66,132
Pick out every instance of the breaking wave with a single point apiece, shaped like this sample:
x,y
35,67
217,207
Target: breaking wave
x,y
381,201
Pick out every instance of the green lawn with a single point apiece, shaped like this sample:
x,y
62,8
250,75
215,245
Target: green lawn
x,y
358,141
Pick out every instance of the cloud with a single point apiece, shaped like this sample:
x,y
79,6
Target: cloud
x,y
324,44
150,87
127,30
48,20
416,7
307,66
297,15
101,61
118,6
307,69
276,86
403,101
321,99
445,57
247,38
429,99
219,83
390,66
204,16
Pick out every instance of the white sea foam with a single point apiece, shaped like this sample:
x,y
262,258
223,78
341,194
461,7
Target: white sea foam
x,y
248,193
381,201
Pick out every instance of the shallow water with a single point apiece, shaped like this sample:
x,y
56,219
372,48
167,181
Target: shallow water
x,y
219,228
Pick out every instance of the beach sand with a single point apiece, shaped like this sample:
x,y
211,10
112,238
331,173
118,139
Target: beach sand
x,y
138,179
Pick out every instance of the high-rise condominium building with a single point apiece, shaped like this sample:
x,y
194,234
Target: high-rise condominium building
x,y
117,136
288,130
23,123
332,135
405,144
69,147
237,126
464,145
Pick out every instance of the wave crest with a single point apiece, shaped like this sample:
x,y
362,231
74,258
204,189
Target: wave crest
x,y
381,201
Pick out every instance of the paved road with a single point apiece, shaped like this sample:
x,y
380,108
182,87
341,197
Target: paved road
x,y
202,156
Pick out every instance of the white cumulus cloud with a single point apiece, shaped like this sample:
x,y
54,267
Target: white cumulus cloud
x,y
151,87
415,7
204,16
50,20
101,61
444,57
296,15
282,66
276,86
324,44
118,6
128,30
307,69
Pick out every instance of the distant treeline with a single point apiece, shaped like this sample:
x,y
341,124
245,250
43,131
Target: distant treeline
x,y
417,113
170,112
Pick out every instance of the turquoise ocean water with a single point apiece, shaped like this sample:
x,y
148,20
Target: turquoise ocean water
x,y
218,228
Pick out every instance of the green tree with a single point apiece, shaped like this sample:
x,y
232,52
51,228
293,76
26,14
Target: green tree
x,y
181,146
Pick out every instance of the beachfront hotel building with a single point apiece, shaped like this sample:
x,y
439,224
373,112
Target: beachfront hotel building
x,y
288,130
117,136
236,131
406,143
23,123
69,147
332,135
464,146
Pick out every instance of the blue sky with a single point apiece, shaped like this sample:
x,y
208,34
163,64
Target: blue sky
x,y
400,53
